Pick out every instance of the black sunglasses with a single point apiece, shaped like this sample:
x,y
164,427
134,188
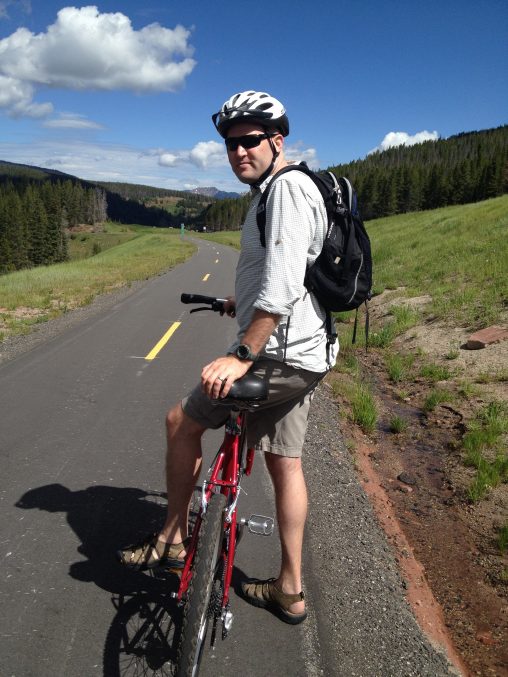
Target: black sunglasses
x,y
247,141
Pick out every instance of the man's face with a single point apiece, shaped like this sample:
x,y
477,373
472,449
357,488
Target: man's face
x,y
248,164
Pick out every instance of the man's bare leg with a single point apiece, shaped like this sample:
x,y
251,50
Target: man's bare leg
x,y
291,503
183,463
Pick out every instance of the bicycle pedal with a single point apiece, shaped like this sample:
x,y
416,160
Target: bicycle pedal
x,y
259,524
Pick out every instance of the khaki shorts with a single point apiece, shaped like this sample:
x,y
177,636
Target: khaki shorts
x,y
277,425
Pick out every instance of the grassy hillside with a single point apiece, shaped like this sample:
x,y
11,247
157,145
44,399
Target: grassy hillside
x,y
38,294
458,255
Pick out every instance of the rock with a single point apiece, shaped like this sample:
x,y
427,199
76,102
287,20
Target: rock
x,y
405,478
485,337
485,637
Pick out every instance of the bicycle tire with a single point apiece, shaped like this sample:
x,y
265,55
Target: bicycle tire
x,y
196,614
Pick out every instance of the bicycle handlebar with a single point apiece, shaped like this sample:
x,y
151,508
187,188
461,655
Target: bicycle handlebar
x,y
212,303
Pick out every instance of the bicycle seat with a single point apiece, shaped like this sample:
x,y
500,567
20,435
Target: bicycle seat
x,y
249,388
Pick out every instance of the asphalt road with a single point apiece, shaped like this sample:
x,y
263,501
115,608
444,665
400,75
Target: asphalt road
x,y
81,444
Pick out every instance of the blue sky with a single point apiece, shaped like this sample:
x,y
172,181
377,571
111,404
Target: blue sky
x,y
124,90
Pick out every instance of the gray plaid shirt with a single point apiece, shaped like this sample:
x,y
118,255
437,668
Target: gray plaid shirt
x,y
271,279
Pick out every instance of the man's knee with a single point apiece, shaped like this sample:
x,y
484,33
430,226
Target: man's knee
x,y
178,424
282,466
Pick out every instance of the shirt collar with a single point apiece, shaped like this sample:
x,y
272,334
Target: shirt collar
x,y
261,188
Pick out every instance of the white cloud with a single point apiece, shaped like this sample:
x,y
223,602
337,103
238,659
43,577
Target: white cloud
x,y
297,153
16,96
85,49
71,121
169,160
205,154
394,139
208,153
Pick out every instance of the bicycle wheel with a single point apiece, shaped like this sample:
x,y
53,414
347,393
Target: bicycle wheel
x,y
198,611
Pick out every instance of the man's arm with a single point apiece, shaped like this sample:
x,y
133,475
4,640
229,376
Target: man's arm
x,y
230,368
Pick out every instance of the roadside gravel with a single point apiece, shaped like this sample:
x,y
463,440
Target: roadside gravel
x,y
13,346
365,626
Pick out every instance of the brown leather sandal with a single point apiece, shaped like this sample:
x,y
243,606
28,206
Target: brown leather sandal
x,y
151,553
264,594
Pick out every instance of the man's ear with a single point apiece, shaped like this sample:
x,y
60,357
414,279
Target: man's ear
x,y
278,142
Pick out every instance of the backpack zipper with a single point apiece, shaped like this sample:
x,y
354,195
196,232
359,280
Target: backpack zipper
x,y
356,279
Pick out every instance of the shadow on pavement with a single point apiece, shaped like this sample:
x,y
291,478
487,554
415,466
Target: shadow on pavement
x,y
144,633
104,518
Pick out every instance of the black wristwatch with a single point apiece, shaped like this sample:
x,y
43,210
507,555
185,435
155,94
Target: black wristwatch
x,y
243,352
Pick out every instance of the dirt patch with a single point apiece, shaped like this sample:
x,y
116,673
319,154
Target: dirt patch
x,y
421,478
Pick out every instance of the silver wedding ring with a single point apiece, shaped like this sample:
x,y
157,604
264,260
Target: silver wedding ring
x,y
220,379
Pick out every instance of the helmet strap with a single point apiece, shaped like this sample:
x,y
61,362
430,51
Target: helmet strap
x,y
267,172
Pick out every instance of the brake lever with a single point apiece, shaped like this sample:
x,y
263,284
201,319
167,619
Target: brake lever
x,y
196,310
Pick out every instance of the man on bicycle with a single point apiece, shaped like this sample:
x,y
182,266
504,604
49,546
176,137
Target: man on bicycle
x,y
281,338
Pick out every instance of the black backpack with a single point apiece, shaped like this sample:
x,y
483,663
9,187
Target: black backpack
x,y
341,276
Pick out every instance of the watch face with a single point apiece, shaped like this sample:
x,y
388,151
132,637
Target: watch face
x,y
243,352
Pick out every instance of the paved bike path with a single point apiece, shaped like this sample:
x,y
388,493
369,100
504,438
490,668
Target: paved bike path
x,y
81,443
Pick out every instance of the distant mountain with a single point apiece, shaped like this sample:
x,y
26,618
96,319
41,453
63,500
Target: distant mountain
x,y
214,193
17,170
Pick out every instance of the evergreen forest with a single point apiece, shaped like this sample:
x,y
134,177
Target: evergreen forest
x,y
34,217
38,206
469,167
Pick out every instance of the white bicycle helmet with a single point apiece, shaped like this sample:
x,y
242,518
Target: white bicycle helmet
x,y
250,106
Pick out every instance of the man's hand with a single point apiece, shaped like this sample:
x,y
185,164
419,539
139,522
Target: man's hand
x,y
230,307
218,376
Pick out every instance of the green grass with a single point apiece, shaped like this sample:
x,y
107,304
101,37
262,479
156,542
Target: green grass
x,y
485,449
347,363
364,409
48,291
399,366
231,238
398,424
502,538
436,372
499,376
361,400
458,255
435,397
82,245
467,390
453,353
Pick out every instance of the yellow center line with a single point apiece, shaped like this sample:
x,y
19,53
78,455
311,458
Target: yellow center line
x,y
206,277
160,345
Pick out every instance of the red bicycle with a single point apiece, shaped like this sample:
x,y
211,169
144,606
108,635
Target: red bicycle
x,y
206,577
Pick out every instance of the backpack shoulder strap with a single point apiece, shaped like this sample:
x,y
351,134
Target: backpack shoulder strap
x,y
261,209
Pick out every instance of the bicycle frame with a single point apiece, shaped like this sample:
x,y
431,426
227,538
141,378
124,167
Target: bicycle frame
x,y
225,474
